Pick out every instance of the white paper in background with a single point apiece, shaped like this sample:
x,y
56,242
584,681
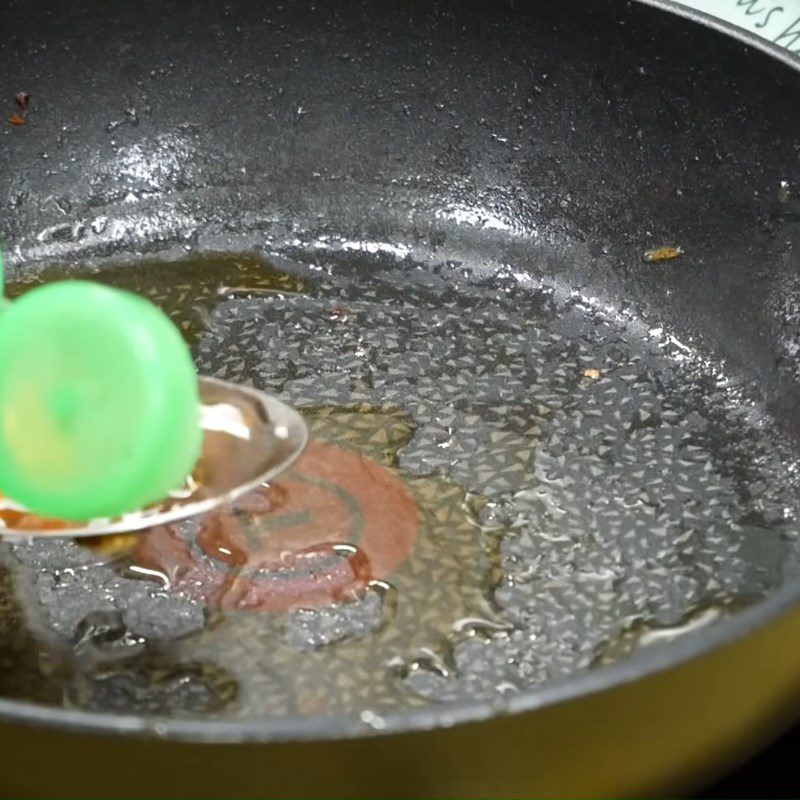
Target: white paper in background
x,y
777,21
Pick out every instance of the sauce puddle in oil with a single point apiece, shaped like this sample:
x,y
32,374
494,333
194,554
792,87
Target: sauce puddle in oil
x,y
318,557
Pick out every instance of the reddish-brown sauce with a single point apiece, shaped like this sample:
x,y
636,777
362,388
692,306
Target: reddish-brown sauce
x,y
318,535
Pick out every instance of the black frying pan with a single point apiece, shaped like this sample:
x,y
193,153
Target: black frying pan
x,y
530,273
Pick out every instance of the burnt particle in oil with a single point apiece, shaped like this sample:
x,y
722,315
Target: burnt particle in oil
x,y
666,253
23,100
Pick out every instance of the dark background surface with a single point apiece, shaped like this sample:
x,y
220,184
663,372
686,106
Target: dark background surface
x,y
773,773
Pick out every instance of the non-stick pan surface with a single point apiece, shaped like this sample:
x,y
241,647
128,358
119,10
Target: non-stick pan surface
x,y
546,461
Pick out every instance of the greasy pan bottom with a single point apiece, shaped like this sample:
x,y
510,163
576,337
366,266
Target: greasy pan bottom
x,y
542,486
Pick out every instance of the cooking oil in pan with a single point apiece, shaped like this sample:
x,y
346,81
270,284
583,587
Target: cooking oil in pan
x,y
185,290
498,483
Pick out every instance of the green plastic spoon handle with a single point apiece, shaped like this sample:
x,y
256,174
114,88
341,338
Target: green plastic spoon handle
x,y
99,402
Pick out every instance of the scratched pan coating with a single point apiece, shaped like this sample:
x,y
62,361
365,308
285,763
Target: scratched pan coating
x,y
536,297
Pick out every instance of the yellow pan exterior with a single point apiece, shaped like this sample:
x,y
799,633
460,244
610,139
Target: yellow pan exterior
x,y
662,734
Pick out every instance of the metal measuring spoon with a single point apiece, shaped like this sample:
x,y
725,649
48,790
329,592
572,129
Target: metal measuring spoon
x,y
249,438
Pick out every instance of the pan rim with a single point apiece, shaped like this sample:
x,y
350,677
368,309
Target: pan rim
x,y
728,28
309,728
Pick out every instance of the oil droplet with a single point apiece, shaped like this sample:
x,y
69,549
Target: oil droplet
x,y
427,660
104,631
482,628
375,721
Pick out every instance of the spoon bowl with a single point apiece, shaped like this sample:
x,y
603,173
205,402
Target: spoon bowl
x,y
249,438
